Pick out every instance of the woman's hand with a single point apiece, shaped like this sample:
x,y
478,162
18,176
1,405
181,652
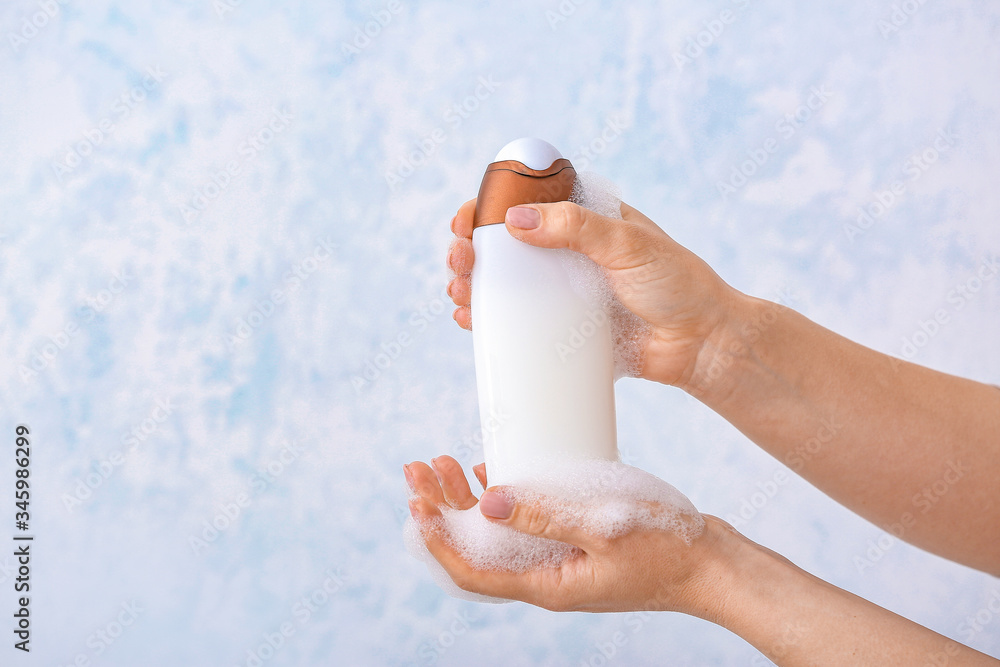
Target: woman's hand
x,y
789,615
666,285
639,570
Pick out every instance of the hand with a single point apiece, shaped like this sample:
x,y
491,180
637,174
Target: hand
x,y
678,294
639,570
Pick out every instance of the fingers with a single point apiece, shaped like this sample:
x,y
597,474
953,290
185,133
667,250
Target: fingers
x,y
461,256
535,519
460,291
567,225
460,260
463,316
453,483
480,472
485,582
545,588
425,510
461,224
445,482
424,482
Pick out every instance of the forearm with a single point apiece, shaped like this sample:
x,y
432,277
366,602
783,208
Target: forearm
x,y
911,449
796,619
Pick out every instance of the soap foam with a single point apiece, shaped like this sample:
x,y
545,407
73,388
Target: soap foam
x,y
629,332
606,498
600,195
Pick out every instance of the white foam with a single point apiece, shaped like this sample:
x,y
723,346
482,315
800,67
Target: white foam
x,y
606,498
600,195
628,331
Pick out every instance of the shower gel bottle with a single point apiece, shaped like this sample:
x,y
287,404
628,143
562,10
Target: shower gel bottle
x,y
543,345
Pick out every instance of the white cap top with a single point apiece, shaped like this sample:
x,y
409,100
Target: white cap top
x,y
532,153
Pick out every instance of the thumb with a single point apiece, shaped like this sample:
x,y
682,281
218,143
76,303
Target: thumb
x,y
568,225
533,519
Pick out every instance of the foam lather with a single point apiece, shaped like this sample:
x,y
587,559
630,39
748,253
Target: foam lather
x,y
606,498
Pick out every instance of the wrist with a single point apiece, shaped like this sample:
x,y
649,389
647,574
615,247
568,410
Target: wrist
x,y
727,348
737,578
721,554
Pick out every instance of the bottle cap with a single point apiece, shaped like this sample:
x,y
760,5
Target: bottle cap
x,y
525,171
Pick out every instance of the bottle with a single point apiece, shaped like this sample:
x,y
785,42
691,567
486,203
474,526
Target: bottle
x,y
543,345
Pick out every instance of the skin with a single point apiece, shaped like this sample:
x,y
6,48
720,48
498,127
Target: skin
x,y
913,450
790,616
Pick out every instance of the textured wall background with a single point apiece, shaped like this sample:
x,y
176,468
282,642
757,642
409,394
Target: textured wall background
x,y
215,215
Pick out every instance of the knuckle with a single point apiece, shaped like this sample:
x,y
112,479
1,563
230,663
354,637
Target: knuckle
x,y
534,521
600,543
572,216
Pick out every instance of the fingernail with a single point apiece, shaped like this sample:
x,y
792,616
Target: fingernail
x,y
408,476
494,505
523,217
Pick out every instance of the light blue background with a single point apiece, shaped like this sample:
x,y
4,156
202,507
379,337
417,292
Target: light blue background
x,y
356,117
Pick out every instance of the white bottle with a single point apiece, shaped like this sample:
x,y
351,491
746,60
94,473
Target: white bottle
x,y
543,346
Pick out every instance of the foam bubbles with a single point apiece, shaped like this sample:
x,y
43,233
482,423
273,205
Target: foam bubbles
x,y
629,332
593,191
606,498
